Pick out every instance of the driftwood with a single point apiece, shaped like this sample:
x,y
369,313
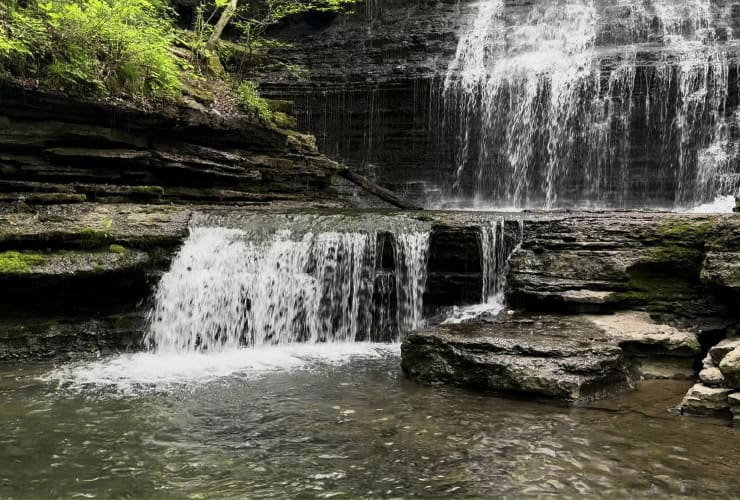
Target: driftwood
x,y
385,194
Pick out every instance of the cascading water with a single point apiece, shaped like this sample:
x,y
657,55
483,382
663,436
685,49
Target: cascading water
x,y
576,102
496,248
229,288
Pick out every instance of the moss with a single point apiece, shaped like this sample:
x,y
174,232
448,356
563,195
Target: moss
x,y
19,262
154,191
284,120
676,254
649,282
92,238
280,106
119,249
685,231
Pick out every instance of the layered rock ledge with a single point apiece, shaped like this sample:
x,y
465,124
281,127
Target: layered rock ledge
x,y
54,150
549,356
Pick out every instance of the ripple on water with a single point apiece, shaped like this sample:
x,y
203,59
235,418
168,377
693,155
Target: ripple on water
x,y
345,426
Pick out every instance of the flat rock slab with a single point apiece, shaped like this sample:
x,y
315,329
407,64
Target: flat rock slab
x,y
561,357
77,263
636,330
90,225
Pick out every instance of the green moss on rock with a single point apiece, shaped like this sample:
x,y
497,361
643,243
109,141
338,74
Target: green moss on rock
x,y
119,249
676,254
153,191
19,262
686,231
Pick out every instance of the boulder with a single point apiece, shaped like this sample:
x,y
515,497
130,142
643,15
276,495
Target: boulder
x,y
559,357
721,349
703,400
730,367
734,401
711,377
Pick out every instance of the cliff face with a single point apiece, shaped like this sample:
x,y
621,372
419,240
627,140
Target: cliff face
x,y
371,89
55,149
627,105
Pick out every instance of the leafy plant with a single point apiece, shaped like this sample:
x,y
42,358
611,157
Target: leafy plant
x,y
251,101
113,46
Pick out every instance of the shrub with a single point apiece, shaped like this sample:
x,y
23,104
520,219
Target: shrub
x,y
113,46
252,102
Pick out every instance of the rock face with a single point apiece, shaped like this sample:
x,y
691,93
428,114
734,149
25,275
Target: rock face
x,y
73,277
57,150
544,355
603,262
378,112
395,112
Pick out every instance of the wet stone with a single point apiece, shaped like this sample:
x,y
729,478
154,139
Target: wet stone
x,y
703,400
559,357
734,401
730,367
711,376
722,348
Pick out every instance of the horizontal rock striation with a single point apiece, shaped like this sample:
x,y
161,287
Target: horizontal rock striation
x,y
75,278
601,262
54,149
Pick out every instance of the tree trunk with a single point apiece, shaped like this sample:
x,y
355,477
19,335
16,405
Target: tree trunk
x,y
221,24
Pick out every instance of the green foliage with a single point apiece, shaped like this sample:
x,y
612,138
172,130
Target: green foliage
x,y
19,262
251,101
103,46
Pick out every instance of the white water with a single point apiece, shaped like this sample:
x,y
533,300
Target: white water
x,y
543,109
244,304
721,204
227,290
152,371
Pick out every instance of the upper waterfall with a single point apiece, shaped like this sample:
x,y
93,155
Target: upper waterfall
x,y
584,103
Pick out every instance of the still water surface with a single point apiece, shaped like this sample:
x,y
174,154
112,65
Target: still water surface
x,y
347,425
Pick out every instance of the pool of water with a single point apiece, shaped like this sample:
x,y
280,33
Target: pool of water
x,y
298,423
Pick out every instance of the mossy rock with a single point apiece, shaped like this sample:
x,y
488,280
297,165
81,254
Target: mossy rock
x,y
148,191
689,257
119,249
19,262
284,120
687,232
280,106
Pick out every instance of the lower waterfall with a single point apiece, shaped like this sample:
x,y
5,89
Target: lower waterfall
x,y
496,248
227,289
265,293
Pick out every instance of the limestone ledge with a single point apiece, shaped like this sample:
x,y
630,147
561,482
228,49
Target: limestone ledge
x,y
568,357
59,149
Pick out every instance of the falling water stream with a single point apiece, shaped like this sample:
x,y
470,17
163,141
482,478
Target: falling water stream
x,y
580,103
231,288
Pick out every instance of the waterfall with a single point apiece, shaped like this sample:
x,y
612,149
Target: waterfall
x,y
496,249
553,103
230,288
